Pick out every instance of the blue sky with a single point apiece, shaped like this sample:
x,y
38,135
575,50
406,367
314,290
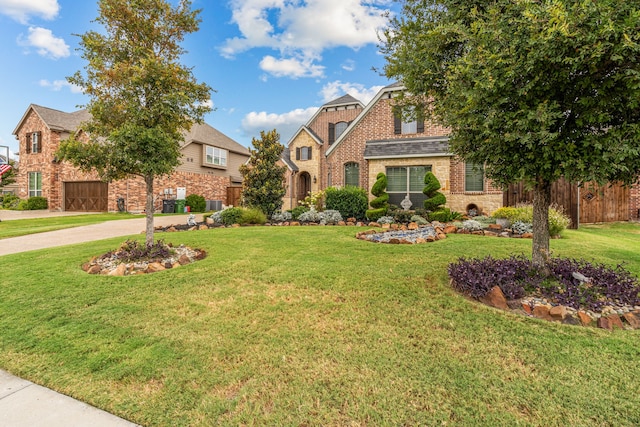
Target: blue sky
x,y
272,63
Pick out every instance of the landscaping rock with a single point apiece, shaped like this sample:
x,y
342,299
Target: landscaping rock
x,y
610,322
155,267
559,312
120,270
495,227
412,226
585,319
374,224
542,312
94,269
203,227
450,229
632,320
495,298
571,320
527,236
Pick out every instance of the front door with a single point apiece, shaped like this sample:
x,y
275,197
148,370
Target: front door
x,y
304,186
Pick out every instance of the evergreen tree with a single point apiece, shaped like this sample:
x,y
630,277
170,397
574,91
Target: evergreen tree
x,y
263,187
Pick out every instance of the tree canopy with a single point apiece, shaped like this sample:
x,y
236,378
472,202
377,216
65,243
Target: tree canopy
x,y
263,185
142,99
533,90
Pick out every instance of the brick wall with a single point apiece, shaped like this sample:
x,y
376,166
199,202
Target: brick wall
x,y
634,202
377,124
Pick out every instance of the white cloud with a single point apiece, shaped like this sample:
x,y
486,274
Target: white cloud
x,y
349,65
336,89
303,30
286,124
45,43
291,67
21,10
57,85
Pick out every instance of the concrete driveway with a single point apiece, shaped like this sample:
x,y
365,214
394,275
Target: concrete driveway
x,y
85,233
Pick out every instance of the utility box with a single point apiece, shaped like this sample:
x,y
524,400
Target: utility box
x,y
181,193
168,206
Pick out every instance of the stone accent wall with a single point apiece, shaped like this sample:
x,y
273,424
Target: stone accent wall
x,y
313,166
439,166
459,200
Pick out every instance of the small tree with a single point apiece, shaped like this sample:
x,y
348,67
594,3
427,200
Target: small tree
x,y
435,199
141,98
263,187
381,203
9,177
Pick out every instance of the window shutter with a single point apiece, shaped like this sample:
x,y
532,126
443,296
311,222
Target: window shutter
x,y
310,149
397,125
420,125
332,133
39,142
298,153
28,149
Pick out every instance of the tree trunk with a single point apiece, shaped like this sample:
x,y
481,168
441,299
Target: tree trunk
x,y
541,202
148,179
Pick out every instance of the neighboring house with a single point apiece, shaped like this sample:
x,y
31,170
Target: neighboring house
x,y
210,162
353,148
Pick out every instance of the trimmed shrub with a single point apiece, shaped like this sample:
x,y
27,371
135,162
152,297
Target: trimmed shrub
x,y
435,199
350,201
297,211
281,216
37,203
231,216
558,221
419,220
22,205
311,215
381,203
507,212
330,216
253,216
196,202
10,201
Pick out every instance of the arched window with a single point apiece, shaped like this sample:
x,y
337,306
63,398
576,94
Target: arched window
x,y
352,174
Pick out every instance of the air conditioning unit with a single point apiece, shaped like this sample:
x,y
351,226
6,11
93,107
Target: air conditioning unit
x,y
214,205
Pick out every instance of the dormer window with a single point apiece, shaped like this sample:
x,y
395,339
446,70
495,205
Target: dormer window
x,y
215,156
34,143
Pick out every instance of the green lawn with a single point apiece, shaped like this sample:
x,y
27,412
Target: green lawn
x,y
23,227
309,326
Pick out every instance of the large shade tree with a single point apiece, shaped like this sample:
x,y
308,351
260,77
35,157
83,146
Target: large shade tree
x,y
534,90
142,99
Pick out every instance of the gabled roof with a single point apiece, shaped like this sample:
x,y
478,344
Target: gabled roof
x,y
69,122
338,102
202,133
304,128
407,147
394,87
55,119
286,158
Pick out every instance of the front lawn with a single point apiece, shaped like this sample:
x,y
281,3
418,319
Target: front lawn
x,y
22,227
309,326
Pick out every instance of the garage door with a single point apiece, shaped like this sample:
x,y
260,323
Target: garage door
x,y
86,196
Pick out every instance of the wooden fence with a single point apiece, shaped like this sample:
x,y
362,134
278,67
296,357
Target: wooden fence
x,y
588,204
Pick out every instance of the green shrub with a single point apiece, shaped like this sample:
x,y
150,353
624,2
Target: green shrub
x,y
37,203
435,199
558,221
419,220
231,216
350,201
375,214
444,215
10,201
297,211
253,216
196,202
381,203
506,212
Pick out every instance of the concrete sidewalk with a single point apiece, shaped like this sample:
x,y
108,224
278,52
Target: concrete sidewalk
x,y
85,233
25,404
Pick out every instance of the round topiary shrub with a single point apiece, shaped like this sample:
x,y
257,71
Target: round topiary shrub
x,y
253,216
37,203
231,216
350,201
196,202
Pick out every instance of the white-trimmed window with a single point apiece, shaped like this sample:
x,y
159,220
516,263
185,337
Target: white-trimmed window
x,y
473,177
405,181
352,174
215,156
34,143
35,184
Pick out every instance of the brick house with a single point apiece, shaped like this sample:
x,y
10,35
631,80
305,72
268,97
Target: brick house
x,y
209,166
346,143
